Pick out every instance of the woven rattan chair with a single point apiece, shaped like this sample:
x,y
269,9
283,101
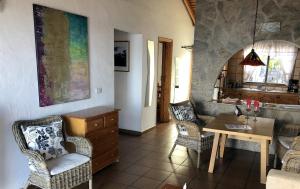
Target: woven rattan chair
x,y
40,171
190,134
288,148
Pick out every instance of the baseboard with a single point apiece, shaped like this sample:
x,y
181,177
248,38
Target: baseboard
x,y
130,132
135,133
148,130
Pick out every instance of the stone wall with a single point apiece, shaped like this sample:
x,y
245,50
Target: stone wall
x,y
297,67
234,69
222,28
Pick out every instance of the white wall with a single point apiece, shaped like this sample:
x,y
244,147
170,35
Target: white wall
x,y
128,85
18,78
184,77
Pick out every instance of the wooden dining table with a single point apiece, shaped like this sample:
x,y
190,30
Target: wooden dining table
x,y
261,132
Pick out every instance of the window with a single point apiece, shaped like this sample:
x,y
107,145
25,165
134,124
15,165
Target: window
x,y
279,57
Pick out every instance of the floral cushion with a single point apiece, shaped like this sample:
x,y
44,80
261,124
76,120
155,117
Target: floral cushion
x,y
185,112
46,139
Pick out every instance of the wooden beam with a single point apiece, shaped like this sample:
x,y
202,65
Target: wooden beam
x,y
190,11
164,40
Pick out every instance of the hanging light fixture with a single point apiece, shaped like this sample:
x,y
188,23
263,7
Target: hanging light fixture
x,y
252,59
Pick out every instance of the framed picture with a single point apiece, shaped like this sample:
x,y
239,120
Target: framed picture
x,y
121,51
62,55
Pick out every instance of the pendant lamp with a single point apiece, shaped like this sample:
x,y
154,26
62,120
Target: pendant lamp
x,y
252,59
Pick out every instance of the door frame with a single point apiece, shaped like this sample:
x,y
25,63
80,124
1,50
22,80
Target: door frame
x,y
166,78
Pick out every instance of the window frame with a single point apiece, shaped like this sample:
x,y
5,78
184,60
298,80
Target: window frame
x,y
265,83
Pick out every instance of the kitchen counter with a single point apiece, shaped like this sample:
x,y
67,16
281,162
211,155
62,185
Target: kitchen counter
x,y
271,96
262,91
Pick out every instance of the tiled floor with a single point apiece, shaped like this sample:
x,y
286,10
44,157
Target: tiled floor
x,y
144,164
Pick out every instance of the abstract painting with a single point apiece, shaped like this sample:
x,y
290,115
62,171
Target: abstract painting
x,y
62,55
121,52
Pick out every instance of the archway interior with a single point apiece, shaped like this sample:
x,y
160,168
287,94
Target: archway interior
x,y
275,83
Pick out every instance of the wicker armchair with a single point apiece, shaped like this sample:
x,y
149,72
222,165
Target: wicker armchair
x,y
281,179
41,170
288,148
190,134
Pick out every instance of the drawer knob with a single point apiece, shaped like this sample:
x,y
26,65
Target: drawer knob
x,y
112,131
112,119
96,124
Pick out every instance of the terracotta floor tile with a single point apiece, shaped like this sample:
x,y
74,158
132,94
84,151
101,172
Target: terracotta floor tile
x,y
186,171
112,186
146,183
165,166
199,184
123,178
158,175
137,170
178,180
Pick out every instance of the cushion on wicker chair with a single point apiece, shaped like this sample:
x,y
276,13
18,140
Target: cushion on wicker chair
x,y
185,112
46,139
286,141
66,162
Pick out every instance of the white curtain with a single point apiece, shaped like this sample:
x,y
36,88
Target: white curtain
x,y
282,59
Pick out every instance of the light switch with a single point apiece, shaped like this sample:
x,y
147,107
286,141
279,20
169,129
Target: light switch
x,y
98,90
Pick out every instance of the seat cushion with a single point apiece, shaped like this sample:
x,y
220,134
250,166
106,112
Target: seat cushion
x,y
66,162
286,141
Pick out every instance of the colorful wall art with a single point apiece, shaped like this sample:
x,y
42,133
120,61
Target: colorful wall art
x,y
62,56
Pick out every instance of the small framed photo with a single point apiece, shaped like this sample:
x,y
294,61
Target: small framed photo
x,y
121,52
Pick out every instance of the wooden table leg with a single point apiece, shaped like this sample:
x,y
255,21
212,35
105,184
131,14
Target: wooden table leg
x,y
264,144
267,152
222,145
214,153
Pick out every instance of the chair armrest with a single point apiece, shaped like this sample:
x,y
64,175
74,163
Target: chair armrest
x,y
82,145
290,130
191,128
296,144
291,161
206,118
277,179
36,162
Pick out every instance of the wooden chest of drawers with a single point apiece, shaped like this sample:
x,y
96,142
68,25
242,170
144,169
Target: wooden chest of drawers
x,y
100,126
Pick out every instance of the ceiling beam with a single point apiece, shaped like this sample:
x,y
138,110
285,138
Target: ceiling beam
x,y
188,7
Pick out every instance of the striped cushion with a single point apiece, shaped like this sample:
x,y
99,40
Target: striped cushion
x,y
185,112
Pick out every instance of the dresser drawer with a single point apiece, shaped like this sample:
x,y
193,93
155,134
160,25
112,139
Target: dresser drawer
x,y
95,125
102,161
104,144
111,120
101,134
